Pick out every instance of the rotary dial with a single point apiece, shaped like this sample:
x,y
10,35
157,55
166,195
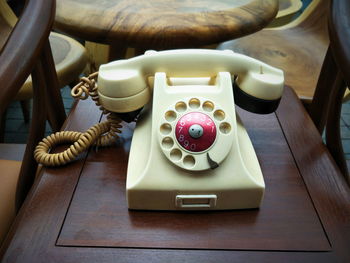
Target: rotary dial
x,y
195,131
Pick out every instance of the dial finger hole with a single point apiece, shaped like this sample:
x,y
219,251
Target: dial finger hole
x,y
165,128
219,115
181,106
194,103
167,143
170,115
225,127
208,106
175,155
189,161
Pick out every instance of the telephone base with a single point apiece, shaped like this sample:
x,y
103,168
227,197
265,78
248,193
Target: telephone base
x,y
165,175
220,200
164,187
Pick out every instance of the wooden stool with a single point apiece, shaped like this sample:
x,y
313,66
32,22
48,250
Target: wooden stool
x,y
287,10
70,61
298,48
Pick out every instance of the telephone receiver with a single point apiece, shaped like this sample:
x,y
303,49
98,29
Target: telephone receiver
x,y
124,84
189,151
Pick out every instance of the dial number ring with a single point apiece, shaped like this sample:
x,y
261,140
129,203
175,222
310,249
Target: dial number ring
x,y
190,121
192,127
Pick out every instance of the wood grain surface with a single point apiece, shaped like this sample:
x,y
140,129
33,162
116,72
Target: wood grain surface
x,y
326,185
37,234
340,41
163,24
298,50
98,215
26,52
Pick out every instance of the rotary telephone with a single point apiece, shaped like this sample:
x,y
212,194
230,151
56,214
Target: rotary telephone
x,y
189,151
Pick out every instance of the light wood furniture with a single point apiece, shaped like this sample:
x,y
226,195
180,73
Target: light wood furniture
x,y
298,48
159,24
162,24
27,51
347,95
69,56
70,61
287,10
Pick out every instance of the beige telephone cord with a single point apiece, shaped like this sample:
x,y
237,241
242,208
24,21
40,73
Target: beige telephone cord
x,y
101,134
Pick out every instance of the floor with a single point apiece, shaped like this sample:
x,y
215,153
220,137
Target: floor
x,y
16,129
345,130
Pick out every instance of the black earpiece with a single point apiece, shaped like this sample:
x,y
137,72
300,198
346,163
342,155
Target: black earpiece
x,y
253,104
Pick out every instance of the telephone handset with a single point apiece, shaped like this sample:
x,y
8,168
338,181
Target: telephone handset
x,y
124,86
189,149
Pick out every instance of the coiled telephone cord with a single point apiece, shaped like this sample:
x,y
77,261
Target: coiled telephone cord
x,y
101,134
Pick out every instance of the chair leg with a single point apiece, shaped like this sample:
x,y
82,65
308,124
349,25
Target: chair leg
x,y
56,114
2,126
346,95
25,105
333,136
319,107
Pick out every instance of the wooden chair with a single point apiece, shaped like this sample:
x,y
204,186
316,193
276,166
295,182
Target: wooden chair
x,y
334,78
300,49
27,51
69,56
297,48
287,10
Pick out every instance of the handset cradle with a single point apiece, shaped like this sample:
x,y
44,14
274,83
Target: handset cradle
x,y
190,151
124,85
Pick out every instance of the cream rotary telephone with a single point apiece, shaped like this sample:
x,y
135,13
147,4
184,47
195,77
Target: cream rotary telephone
x,y
190,151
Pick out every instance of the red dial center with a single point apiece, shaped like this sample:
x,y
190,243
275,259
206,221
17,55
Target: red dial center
x,y
195,131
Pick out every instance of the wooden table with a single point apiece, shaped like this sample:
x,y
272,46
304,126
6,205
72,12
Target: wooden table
x,y
78,213
163,24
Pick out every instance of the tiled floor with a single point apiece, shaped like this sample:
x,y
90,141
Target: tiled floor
x,y
345,130
16,130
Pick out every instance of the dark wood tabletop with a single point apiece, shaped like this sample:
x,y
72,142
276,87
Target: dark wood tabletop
x,y
163,24
78,213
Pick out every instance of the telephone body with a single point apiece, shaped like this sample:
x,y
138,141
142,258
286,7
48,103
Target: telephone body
x,y
190,151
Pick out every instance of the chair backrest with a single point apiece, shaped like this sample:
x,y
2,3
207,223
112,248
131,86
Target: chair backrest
x,y
7,21
27,51
340,36
325,108
313,16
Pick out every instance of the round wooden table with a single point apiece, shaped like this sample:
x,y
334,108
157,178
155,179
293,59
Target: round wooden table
x,y
163,24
